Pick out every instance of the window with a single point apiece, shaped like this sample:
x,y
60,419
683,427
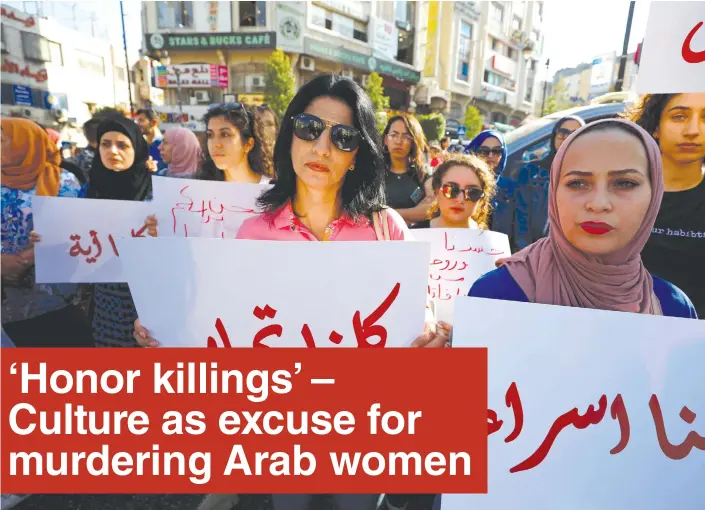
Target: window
x,y
35,47
516,24
2,34
464,51
535,36
120,71
55,53
529,92
175,14
90,63
253,14
498,80
405,12
512,53
405,50
339,23
495,44
497,13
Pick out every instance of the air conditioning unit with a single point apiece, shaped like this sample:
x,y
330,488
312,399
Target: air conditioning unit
x,y
365,79
347,73
202,96
307,64
254,81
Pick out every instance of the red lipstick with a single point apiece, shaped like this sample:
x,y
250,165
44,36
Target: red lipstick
x,y
596,228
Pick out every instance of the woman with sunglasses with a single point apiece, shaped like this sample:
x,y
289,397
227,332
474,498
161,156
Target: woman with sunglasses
x,y
489,146
464,187
406,182
531,196
329,187
605,190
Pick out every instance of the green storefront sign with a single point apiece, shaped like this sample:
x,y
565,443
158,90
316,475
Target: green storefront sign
x,y
360,60
212,41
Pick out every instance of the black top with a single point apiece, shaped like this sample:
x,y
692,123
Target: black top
x,y
422,224
676,249
403,190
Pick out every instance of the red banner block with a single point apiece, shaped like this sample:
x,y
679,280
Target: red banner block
x,y
244,421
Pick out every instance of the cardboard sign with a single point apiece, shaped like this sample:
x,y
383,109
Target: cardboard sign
x,y
673,55
277,294
588,408
78,237
193,208
459,256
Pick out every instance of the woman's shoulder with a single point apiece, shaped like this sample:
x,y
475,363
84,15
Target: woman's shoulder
x,y
498,284
255,228
674,302
69,185
398,229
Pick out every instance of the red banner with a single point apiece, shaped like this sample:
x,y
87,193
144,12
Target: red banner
x,y
244,421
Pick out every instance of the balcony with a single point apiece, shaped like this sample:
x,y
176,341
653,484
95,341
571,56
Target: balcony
x,y
502,64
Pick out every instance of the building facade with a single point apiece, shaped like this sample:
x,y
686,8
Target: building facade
x,y
481,53
56,75
207,52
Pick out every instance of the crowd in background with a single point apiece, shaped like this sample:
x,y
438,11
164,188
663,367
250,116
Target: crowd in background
x,y
333,176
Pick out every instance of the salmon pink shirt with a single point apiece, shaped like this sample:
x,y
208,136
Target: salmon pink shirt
x,y
283,225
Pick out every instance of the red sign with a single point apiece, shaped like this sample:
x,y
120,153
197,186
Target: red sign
x,y
8,66
27,22
244,421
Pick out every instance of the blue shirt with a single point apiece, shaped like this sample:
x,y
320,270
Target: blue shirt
x,y
499,284
156,155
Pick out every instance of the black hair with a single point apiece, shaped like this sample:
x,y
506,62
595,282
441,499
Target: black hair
x,y
363,187
90,129
149,113
648,110
415,159
248,126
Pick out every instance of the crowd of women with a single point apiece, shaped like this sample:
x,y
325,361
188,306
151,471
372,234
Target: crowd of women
x,y
621,226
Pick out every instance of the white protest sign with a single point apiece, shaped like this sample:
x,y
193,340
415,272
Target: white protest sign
x,y
78,237
277,294
594,409
673,55
459,256
193,208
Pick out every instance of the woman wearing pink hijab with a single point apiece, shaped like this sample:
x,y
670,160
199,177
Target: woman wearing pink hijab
x,y
181,151
605,191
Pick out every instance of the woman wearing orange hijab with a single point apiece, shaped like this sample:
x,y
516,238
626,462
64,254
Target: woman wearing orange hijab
x,y
34,315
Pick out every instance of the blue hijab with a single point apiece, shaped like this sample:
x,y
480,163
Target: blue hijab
x,y
475,143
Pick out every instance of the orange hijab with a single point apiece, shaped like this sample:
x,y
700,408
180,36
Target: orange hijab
x,y
33,160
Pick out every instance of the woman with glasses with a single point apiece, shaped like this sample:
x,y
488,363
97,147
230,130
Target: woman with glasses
x,y
605,190
490,147
329,187
463,186
531,196
270,124
406,182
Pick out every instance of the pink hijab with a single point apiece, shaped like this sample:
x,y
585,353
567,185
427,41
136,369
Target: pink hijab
x,y
186,152
552,271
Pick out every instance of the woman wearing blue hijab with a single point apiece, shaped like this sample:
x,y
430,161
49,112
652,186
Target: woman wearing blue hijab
x,y
489,145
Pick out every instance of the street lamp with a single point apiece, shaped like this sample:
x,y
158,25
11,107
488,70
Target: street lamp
x,y
166,61
545,86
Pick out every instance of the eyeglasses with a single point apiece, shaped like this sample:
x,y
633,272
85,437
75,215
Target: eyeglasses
x,y
404,137
486,151
309,127
227,106
452,190
563,132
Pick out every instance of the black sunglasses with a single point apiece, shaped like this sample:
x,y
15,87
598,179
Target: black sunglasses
x,y
565,133
452,190
486,151
227,106
309,127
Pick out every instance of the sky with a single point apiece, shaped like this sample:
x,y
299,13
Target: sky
x,y
577,31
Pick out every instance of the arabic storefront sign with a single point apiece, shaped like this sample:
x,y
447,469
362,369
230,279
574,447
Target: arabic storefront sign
x,y
192,76
360,60
206,41
25,19
8,66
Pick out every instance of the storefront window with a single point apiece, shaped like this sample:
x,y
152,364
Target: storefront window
x,y
464,52
175,14
405,51
253,14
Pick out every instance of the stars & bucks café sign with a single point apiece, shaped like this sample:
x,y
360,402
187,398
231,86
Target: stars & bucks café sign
x,y
360,60
211,41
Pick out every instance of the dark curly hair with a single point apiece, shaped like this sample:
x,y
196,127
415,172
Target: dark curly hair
x,y
363,188
484,174
646,113
248,125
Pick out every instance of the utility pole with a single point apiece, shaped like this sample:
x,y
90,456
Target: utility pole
x,y
127,61
545,86
619,84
